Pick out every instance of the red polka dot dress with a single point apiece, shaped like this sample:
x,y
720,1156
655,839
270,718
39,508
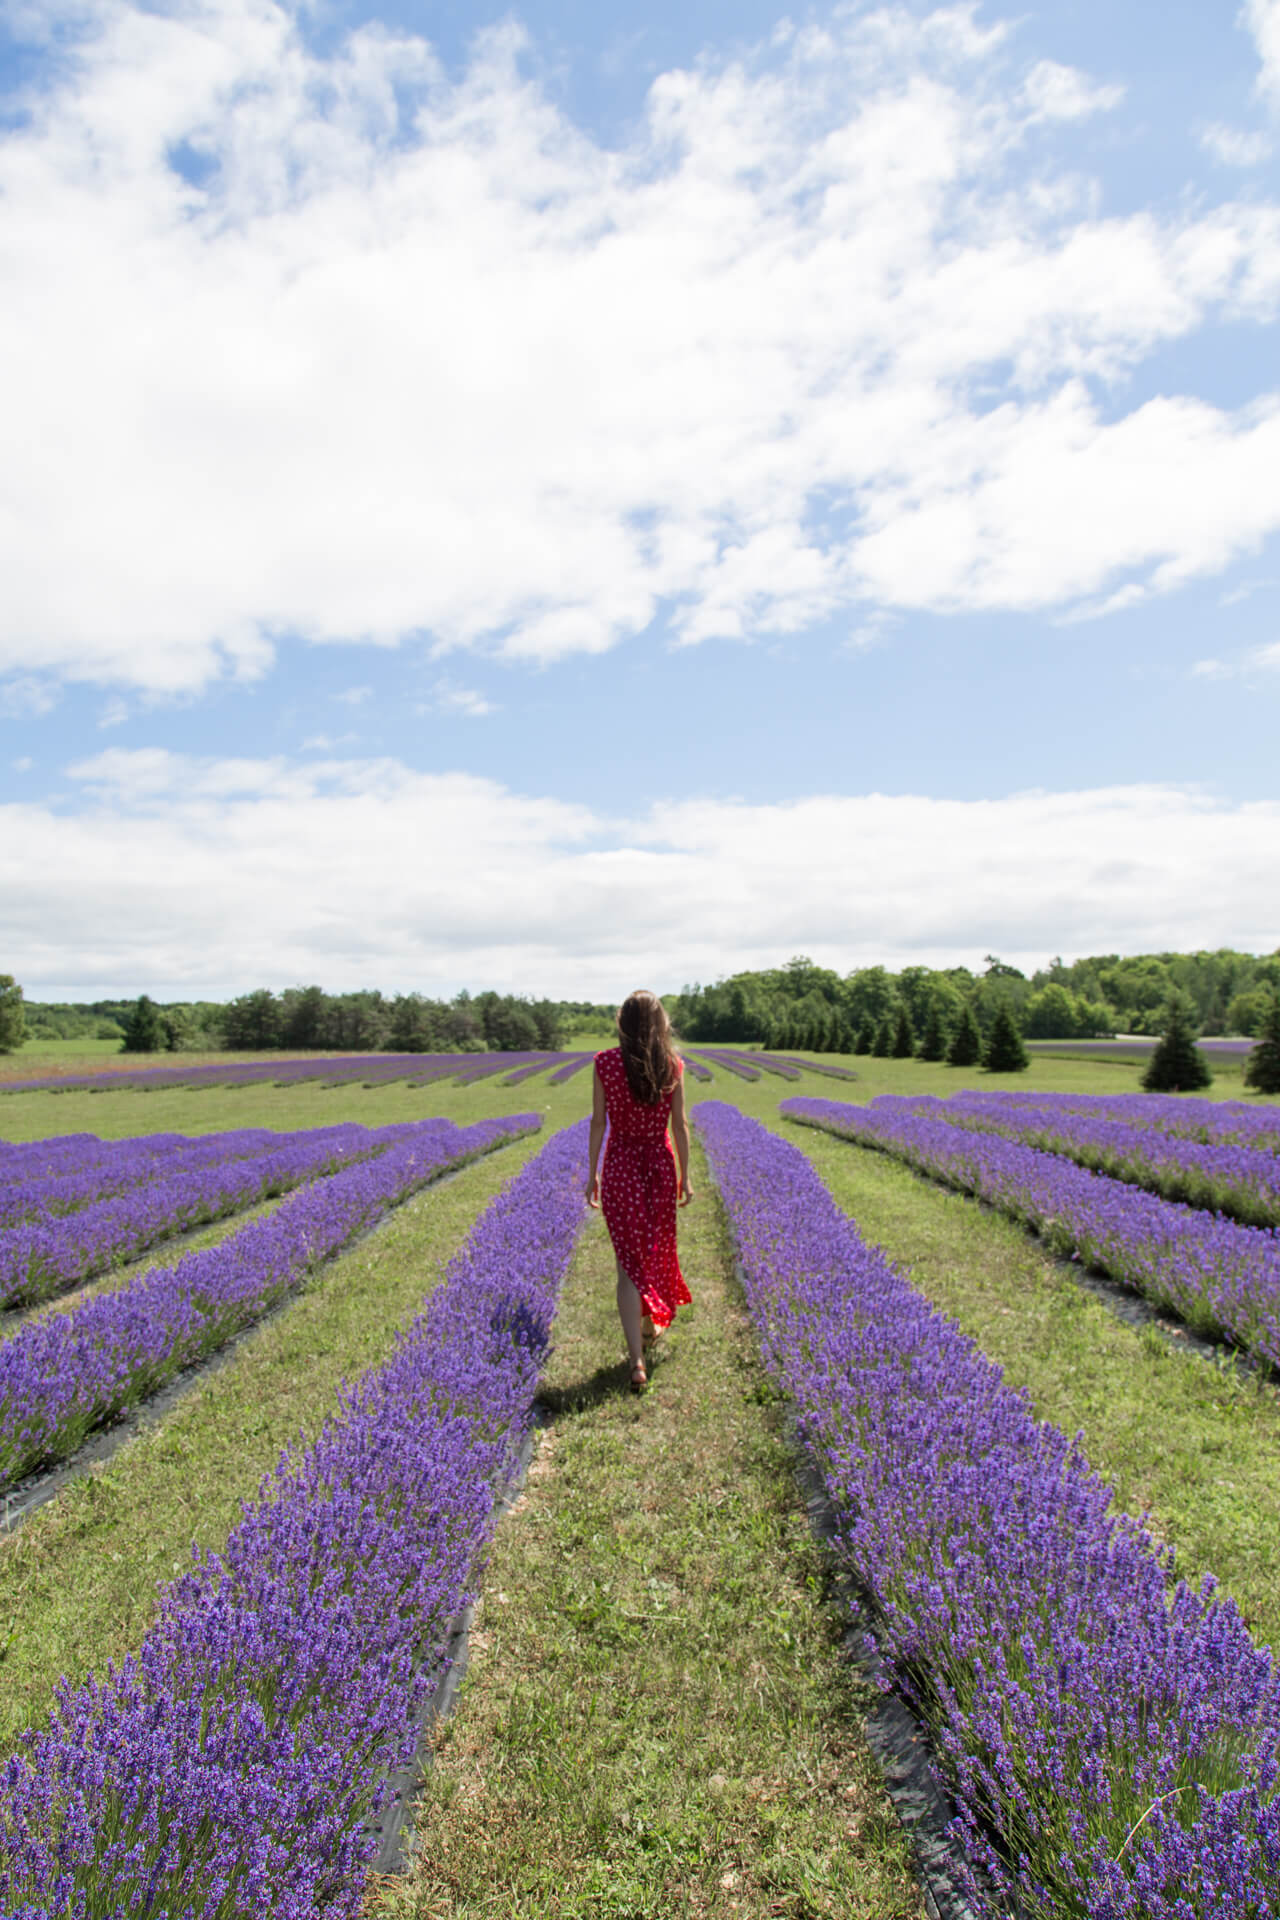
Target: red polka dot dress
x,y
638,1191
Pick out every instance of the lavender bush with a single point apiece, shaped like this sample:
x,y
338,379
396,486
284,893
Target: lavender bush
x,y
228,1770
43,1258
1183,1115
371,1069
1110,1736
63,1376
1222,1175
1222,1278
72,1180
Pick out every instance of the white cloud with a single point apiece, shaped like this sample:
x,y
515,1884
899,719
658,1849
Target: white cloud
x,y
23,764
25,697
191,876
1055,92
1235,147
1267,658
115,712
448,697
354,696
1262,18
420,358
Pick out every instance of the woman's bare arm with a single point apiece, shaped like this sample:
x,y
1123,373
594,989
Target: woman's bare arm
x,y
597,1138
680,1134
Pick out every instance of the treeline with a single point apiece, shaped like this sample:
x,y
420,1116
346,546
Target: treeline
x,y
803,1005
306,1018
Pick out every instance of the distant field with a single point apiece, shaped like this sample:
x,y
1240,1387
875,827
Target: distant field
x,y
1226,1057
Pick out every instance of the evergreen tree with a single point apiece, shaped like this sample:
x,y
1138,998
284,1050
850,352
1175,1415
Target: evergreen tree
x,y
1262,1071
864,1039
965,1047
882,1045
1004,1051
1177,1065
933,1041
145,1029
904,1039
13,1030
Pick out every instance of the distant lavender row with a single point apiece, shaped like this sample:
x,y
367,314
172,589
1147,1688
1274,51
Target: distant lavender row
x,y
376,1068
574,1064
1111,1738
281,1680
1181,1115
114,1166
41,1260
1222,1278
739,1064
61,1377
827,1067
1241,1181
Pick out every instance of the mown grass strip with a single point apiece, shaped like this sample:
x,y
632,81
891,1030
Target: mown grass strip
x,y
1190,1444
78,1582
657,1717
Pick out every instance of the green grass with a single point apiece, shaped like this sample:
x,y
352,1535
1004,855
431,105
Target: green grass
x,y
78,1580
658,1719
36,1056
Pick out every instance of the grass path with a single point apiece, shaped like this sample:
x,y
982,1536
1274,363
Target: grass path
x,y
1192,1444
656,1720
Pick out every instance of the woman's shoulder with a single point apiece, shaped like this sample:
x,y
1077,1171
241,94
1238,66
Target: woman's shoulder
x,y
608,1054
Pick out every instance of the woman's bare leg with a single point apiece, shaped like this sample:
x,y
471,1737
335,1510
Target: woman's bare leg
x,y
631,1314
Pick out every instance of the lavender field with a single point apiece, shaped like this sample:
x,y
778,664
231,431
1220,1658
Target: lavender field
x,y
1069,1536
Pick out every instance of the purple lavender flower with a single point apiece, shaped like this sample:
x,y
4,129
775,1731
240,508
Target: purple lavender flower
x,y
1222,1278
63,1376
1111,1737
230,1767
152,1196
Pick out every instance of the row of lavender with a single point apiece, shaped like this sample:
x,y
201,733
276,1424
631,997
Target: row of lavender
x,y
376,1069
1222,1278
62,1376
417,1069
204,1181
64,1182
281,1681
1223,1175
1215,1122
1111,1738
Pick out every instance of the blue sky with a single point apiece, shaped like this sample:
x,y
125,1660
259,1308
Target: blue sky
x,y
550,497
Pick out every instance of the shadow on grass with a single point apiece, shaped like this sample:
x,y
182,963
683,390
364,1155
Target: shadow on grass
x,y
606,1383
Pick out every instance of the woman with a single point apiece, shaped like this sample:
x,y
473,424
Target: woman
x,y
639,1088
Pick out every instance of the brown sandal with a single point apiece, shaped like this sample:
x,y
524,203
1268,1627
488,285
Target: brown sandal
x,y
639,1378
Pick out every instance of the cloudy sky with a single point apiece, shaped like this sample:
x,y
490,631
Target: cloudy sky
x,y
567,496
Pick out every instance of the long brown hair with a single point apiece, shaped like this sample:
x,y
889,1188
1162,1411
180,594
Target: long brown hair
x,y
644,1035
